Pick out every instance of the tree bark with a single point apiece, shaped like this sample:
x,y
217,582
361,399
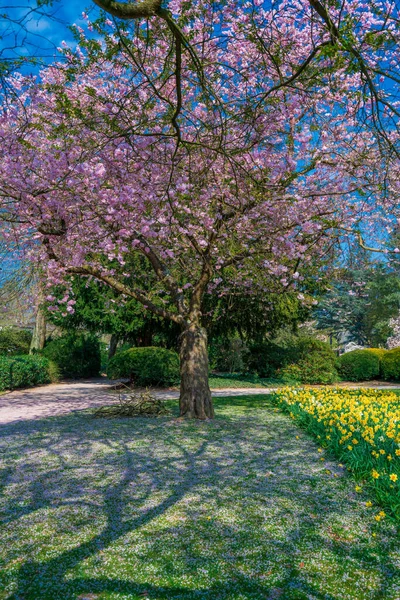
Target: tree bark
x,y
195,400
114,339
39,331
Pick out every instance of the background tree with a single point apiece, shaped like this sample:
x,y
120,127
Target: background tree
x,y
100,309
359,304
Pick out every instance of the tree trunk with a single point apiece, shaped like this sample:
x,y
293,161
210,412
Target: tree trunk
x,y
39,332
114,339
195,400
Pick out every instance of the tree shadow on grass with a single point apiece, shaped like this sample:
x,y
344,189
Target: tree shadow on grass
x,y
218,510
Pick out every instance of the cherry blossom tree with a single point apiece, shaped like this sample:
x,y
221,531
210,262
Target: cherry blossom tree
x,y
228,145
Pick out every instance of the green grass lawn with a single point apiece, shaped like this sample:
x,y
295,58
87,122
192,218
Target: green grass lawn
x,y
233,380
238,380
239,508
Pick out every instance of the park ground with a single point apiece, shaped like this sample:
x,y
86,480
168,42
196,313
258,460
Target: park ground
x,y
243,507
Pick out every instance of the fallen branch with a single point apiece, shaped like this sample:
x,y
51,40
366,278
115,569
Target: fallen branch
x,y
133,404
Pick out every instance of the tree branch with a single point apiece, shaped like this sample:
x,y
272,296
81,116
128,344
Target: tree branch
x,y
122,10
123,289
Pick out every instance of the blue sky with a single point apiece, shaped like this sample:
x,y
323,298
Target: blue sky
x,y
38,33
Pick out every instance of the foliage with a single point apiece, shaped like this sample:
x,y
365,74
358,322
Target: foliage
x,y
14,341
360,427
296,359
359,365
26,371
104,348
133,404
227,355
146,366
390,365
76,355
311,370
360,302
252,316
100,309
267,357
314,362
379,352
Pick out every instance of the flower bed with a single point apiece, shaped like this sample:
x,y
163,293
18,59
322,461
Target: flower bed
x,y
362,429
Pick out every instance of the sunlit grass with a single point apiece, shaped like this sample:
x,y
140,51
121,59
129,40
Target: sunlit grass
x,y
238,508
234,380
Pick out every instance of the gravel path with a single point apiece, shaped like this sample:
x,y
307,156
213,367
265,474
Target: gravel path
x,y
62,398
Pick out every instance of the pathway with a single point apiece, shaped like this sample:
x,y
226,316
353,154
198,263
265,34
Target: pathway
x,y
62,398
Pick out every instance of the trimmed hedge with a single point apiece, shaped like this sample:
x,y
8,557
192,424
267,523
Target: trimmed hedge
x,y
146,366
390,365
359,365
76,355
26,371
14,341
379,352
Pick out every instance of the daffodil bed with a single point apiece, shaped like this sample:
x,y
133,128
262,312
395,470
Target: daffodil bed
x,y
241,508
361,428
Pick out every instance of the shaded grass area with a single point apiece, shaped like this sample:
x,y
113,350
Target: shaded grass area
x,y
238,508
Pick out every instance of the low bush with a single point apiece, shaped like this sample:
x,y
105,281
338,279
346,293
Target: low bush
x,y
146,366
26,371
359,365
390,365
314,369
303,360
76,355
379,352
14,341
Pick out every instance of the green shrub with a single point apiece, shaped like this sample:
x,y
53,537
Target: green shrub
x,y
390,365
379,352
267,357
146,366
359,365
76,355
14,341
304,346
301,360
313,369
26,371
